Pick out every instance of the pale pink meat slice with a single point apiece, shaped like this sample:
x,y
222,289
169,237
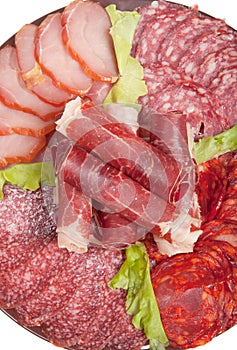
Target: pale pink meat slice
x,y
31,72
55,60
13,121
13,91
86,26
19,148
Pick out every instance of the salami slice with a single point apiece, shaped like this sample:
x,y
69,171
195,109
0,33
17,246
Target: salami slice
x,y
214,63
17,285
203,46
53,298
195,296
181,38
70,325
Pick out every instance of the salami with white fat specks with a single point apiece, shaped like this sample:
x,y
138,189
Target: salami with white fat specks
x,y
17,285
25,225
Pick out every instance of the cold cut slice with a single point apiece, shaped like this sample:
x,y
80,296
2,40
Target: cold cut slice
x,y
31,71
13,91
86,34
67,74
17,285
16,148
13,121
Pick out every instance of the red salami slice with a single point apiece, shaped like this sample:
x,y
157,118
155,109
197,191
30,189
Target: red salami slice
x,y
194,101
204,45
181,38
52,299
17,285
195,296
70,325
214,63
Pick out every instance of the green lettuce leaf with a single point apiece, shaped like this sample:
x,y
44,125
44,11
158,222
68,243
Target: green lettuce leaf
x,y
28,176
130,84
213,146
134,276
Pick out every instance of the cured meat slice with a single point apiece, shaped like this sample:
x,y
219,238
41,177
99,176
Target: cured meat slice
x,y
86,34
98,92
193,101
225,84
17,285
220,230
55,296
196,287
70,325
13,121
73,218
154,33
115,190
13,91
214,63
16,148
97,131
204,45
49,48
31,72
181,38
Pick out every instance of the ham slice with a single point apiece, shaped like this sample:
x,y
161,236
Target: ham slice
x,y
31,71
55,60
13,91
13,121
86,26
19,148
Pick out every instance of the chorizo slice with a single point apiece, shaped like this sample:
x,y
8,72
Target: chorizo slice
x,y
86,34
13,91
66,73
31,72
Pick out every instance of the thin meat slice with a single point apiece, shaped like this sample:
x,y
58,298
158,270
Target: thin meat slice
x,y
13,121
70,325
55,60
195,295
195,102
17,285
13,91
220,230
204,45
214,63
181,38
73,218
224,85
55,296
17,148
86,34
31,71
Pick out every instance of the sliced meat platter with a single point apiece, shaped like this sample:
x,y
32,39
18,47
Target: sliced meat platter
x,y
125,176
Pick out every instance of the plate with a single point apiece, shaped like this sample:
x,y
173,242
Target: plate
x,y
15,14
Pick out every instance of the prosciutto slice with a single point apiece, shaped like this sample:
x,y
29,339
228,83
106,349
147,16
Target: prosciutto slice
x,y
13,121
55,60
86,34
16,148
31,71
13,91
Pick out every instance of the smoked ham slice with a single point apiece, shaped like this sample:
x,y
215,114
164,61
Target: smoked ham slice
x,y
55,60
13,121
13,91
19,148
31,71
86,26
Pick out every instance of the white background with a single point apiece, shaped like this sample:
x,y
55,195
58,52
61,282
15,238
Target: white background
x,y
13,15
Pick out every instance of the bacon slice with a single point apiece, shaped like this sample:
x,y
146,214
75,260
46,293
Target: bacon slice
x,y
19,148
13,121
86,27
13,91
31,72
55,60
